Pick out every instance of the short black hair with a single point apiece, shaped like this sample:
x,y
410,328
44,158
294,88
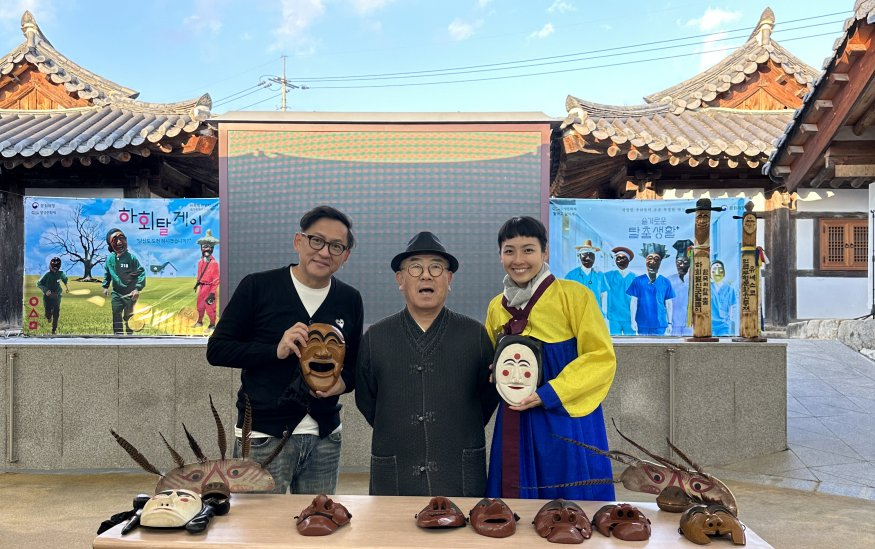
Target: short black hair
x,y
523,226
327,212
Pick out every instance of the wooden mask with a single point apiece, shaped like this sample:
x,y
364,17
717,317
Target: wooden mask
x,y
322,358
562,521
517,370
624,521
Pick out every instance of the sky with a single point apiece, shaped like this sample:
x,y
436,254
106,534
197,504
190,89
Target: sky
x,y
412,55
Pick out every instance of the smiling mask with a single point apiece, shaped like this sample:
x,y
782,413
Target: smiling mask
x,y
517,368
322,358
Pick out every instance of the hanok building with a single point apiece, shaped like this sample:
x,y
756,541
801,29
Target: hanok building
x,y
65,131
707,136
829,149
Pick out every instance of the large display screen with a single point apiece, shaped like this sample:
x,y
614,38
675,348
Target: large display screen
x,y
461,185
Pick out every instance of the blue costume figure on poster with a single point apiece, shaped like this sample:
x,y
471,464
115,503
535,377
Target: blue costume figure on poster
x,y
651,303
680,284
618,282
724,302
588,275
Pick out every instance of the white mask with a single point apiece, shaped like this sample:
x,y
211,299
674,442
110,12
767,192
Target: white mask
x,y
517,368
171,509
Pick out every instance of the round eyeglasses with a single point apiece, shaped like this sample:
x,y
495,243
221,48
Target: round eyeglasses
x,y
434,269
317,243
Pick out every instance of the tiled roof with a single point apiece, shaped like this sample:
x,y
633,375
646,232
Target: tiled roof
x,y
714,133
113,122
864,10
702,89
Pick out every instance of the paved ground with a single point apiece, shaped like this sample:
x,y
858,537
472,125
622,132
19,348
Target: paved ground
x,y
830,425
818,493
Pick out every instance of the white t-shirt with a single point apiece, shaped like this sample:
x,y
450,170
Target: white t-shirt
x,y
312,299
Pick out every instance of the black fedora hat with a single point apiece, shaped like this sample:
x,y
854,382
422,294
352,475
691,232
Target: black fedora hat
x,y
425,242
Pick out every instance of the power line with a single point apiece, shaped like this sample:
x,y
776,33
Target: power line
x,y
588,52
497,67
259,102
542,73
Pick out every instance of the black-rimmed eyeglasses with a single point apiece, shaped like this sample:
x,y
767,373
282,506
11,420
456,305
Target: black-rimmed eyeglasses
x,y
434,269
317,243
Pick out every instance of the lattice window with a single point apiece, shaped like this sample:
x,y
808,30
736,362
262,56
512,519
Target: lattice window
x,y
844,244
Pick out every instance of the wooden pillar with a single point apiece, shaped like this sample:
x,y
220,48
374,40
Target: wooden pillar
x,y
780,279
11,254
139,187
700,272
750,278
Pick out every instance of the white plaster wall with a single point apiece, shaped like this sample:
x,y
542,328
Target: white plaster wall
x,y
75,192
805,243
831,297
832,200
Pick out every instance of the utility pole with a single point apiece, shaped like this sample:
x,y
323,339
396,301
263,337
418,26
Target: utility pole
x,y
285,85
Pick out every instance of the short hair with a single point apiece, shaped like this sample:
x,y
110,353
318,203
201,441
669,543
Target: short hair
x,y
523,226
327,212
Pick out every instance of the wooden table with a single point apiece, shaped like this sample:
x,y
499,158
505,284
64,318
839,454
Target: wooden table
x,y
266,521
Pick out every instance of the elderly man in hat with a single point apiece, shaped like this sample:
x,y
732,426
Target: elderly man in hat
x,y
127,277
264,331
651,303
207,283
422,382
618,282
588,275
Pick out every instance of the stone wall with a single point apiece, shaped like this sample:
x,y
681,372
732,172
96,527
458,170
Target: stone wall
x,y
856,334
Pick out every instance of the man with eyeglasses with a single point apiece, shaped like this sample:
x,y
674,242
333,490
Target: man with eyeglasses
x,y
264,329
422,382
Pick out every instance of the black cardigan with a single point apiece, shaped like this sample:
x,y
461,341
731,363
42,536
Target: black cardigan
x,y
264,306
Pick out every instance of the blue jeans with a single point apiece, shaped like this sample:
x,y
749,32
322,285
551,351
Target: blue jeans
x,y
306,465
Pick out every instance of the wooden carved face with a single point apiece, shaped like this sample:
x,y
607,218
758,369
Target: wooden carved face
x,y
239,475
322,358
322,517
119,242
493,518
699,524
440,513
517,368
171,509
562,521
624,521
703,226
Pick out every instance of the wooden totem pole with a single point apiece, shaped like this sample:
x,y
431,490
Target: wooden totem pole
x,y
700,269
750,278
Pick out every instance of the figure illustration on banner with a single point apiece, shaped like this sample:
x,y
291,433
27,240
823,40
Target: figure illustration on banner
x,y
127,277
680,284
724,301
50,284
588,275
618,282
652,295
207,283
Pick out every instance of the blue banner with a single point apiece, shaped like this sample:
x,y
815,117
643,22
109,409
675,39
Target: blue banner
x,y
96,266
588,239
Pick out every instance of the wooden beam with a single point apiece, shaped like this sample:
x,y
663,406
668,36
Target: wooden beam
x,y
859,182
795,149
859,74
851,148
808,128
855,170
865,121
839,78
825,174
782,170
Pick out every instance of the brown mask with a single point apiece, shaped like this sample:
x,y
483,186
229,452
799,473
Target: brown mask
x,y
700,523
493,518
562,521
322,517
674,500
322,358
440,513
624,521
